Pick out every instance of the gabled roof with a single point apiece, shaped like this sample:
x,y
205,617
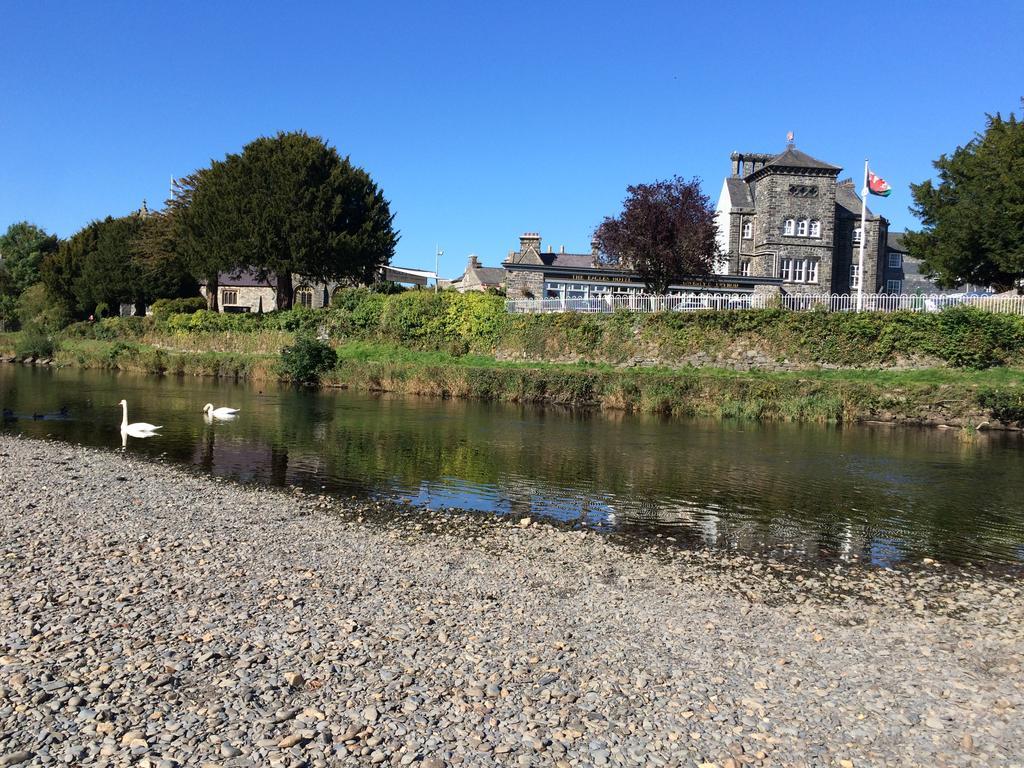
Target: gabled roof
x,y
739,193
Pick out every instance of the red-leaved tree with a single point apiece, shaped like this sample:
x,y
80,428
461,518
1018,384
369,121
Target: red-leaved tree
x,y
666,232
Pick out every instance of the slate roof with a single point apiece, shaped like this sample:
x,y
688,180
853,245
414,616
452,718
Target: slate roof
x,y
739,193
245,279
794,158
895,242
848,200
490,275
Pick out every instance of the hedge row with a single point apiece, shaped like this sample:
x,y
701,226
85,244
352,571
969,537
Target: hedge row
x,y
473,322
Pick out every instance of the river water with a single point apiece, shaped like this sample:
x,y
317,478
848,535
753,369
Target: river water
x,y
869,493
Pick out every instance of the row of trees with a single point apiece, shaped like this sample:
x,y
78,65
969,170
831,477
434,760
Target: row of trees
x,y
284,204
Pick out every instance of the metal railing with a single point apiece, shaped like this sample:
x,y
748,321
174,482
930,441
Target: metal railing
x,y
827,302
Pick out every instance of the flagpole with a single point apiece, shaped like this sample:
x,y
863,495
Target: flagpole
x,y
863,237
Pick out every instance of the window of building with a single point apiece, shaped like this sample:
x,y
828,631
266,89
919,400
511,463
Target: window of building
x,y
854,276
801,228
789,227
798,270
304,297
895,260
856,236
812,270
815,228
745,267
894,286
748,230
229,297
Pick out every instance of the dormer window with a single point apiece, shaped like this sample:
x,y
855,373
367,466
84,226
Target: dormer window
x,y
789,227
801,228
856,236
815,228
748,230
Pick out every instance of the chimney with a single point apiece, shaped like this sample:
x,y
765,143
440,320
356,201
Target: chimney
x,y
735,157
561,249
595,247
473,261
551,249
529,241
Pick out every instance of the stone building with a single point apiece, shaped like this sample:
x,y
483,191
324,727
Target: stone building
x,y
531,273
788,216
245,292
477,277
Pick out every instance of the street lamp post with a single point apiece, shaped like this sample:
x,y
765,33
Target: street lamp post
x,y
438,253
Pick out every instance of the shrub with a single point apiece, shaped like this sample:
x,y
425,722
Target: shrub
x,y
35,342
164,308
36,307
1004,406
305,361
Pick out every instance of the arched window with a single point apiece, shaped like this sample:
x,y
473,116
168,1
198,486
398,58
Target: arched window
x,y
815,228
304,297
789,227
801,228
748,230
856,236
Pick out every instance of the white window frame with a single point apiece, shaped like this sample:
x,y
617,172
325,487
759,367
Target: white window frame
x,y
895,260
815,228
856,235
229,293
786,270
799,270
812,270
801,228
789,227
855,276
744,267
894,286
748,229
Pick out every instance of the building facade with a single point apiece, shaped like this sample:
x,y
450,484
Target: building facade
x,y
531,273
245,292
788,216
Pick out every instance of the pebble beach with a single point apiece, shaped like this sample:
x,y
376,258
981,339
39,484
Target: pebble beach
x,y
152,616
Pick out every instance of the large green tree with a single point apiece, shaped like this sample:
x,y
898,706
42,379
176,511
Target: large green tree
x,y
22,249
285,205
105,265
973,215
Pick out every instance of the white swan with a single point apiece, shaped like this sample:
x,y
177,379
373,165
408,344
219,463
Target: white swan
x,y
139,428
222,413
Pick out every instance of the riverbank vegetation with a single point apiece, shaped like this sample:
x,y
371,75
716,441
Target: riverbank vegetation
x,y
768,364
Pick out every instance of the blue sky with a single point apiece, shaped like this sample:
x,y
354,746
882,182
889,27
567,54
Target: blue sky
x,y
484,120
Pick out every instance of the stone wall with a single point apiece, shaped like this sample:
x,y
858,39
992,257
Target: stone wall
x,y
520,284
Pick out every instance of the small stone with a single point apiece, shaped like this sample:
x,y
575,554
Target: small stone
x,y
432,762
377,756
227,750
370,714
14,758
967,742
934,723
290,740
294,679
525,522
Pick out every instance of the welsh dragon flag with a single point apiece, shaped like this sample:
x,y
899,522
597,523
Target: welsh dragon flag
x,y
877,185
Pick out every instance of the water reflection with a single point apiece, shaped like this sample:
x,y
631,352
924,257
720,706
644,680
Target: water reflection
x,y
880,494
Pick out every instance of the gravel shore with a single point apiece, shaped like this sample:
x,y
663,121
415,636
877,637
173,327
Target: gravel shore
x,y
150,616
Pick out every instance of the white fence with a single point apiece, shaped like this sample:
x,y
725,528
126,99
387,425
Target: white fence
x,y
828,302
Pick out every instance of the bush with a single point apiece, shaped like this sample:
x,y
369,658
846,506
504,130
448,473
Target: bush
x,y
37,308
1004,406
164,308
307,360
35,342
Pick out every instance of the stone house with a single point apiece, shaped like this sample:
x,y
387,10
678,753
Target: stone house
x,y
789,216
477,277
531,273
245,292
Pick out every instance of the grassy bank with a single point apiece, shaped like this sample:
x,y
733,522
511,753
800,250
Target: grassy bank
x,y
937,396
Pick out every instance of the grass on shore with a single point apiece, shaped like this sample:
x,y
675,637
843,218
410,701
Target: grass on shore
x,y
942,395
